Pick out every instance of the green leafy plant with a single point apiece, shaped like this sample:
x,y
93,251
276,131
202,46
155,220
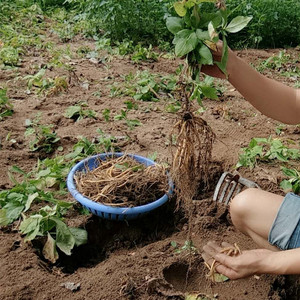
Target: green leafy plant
x,y
204,89
79,112
44,138
85,147
188,247
52,173
49,86
48,222
45,184
274,23
198,28
144,54
275,62
9,56
17,200
266,150
293,183
134,20
106,114
131,123
6,107
145,86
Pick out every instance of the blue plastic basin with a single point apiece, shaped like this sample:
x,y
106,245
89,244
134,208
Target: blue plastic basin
x,y
105,211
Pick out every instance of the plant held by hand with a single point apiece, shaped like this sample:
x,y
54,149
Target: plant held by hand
x,y
198,28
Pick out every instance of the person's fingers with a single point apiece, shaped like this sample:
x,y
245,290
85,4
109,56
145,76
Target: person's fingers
x,y
212,249
231,274
225,245
215,245
208,258
225,260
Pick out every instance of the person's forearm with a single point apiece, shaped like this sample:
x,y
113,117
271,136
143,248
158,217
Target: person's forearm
x,y
270,97
282,262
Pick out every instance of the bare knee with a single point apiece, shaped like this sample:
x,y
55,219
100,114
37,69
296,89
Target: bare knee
x,y
241,207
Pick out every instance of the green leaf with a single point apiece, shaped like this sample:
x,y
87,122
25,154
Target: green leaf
x,y
237,24
180,8
209,92
29,200
31,227
3,218
190,3
153,156
80,235
206,56
174,24
13,210
220,278
289,172
72,111
202,35
198,297
222,65
186,43
296,188
29,131
211,31
174,244
49,250
64,239
286,185
18,170
133,123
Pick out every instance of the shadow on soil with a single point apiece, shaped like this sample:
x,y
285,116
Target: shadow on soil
x,y
106,236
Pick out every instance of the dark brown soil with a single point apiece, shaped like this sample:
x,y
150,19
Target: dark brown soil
x,y
135,260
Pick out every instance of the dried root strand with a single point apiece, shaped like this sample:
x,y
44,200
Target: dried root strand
x,y
123,182
230,251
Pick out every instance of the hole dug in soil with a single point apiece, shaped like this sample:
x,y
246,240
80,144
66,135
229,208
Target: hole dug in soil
x,y
106,236
216,169
183,280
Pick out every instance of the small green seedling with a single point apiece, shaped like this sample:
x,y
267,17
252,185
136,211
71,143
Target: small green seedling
x,y
44,138
106,114
144,54
6,107
79,112
187,247
47,86
131,123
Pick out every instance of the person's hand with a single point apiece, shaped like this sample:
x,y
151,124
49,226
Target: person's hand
x,y
247,263
213,70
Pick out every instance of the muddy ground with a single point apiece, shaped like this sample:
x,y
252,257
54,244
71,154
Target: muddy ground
x,y
134,260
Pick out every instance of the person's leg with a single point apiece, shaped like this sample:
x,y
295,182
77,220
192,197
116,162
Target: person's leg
x,y
253,212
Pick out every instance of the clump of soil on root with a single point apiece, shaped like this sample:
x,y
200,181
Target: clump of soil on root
x,y
123,182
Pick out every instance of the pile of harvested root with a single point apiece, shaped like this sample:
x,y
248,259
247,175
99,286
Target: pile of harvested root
x,y
123,182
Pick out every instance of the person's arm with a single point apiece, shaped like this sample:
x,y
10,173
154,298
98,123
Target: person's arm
x,y
251,262
270,97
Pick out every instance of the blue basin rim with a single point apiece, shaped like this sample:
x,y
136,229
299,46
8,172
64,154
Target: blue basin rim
x,y
90,161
